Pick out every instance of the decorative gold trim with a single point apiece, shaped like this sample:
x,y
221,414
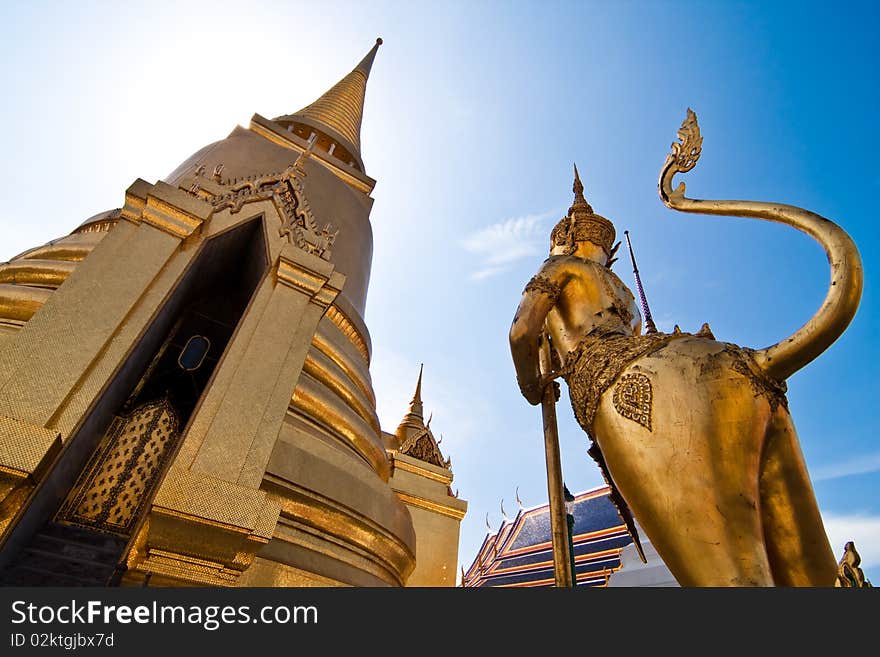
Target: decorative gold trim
x,y
135,200
303,280
322,369
327,345
278,138
633,398
166,217
429,505
341,421
405,465
348,329
335,521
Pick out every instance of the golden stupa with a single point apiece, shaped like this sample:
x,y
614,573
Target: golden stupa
x,y
185,394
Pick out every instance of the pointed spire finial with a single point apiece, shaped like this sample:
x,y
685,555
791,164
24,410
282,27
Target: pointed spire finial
x,y
580,203
417,397
415,406
367,62
338,112
414,421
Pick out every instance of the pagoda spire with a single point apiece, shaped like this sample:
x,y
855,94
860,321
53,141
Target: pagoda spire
x,y
580,203
414,421
415,406
338,113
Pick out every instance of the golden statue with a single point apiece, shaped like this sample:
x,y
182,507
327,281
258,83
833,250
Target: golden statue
x,y
849,575
693,434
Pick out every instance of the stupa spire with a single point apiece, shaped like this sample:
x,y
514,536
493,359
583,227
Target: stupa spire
x,y
339,111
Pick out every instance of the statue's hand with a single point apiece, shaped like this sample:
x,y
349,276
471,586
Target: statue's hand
x,y
533,391
550,379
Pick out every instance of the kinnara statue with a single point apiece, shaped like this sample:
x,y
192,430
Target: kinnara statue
x,y
693,434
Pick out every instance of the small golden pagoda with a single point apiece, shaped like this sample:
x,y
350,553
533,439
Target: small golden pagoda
x,y
185,394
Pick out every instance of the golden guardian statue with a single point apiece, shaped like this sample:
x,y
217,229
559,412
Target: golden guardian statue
x,y
693,434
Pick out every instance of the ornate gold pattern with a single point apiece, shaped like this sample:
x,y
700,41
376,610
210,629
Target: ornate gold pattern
x,y
597,362
106,221
402,464
633,398
423,447
690,144
114,487
286,191
582,224
545,286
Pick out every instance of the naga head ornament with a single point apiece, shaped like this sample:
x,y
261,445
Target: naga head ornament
x,y
685,153
582,224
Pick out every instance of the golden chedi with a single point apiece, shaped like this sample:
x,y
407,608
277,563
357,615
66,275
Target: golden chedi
x,y
185,394
693,434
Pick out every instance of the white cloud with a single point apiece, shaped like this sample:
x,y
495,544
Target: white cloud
x,y
488,272
863,464
862,528
505,242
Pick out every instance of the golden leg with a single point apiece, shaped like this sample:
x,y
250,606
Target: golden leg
x,y
797,545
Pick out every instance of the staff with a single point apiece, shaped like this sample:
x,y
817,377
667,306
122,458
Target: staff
x,y
649,321
558,524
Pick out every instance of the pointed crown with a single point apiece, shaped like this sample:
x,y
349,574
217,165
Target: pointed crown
x,y
582,224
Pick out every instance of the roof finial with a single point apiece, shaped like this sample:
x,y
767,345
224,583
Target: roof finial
x,y
415,406
580,203
578,187
417,397
414,421
367,62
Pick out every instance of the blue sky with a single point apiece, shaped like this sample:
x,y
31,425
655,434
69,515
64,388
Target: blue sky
x,y
474,114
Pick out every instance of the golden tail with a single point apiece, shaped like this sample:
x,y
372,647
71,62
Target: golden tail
x,y
787,356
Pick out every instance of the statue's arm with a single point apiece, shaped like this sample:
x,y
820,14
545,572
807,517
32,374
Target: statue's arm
x,y
538,299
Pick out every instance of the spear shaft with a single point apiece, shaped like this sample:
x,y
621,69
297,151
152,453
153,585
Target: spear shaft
x,y
649,321
558,521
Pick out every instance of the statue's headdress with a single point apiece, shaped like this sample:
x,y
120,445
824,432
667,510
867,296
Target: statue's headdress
x,y
581,224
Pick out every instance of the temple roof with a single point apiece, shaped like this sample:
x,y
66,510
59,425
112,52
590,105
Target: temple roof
x,y
520,552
